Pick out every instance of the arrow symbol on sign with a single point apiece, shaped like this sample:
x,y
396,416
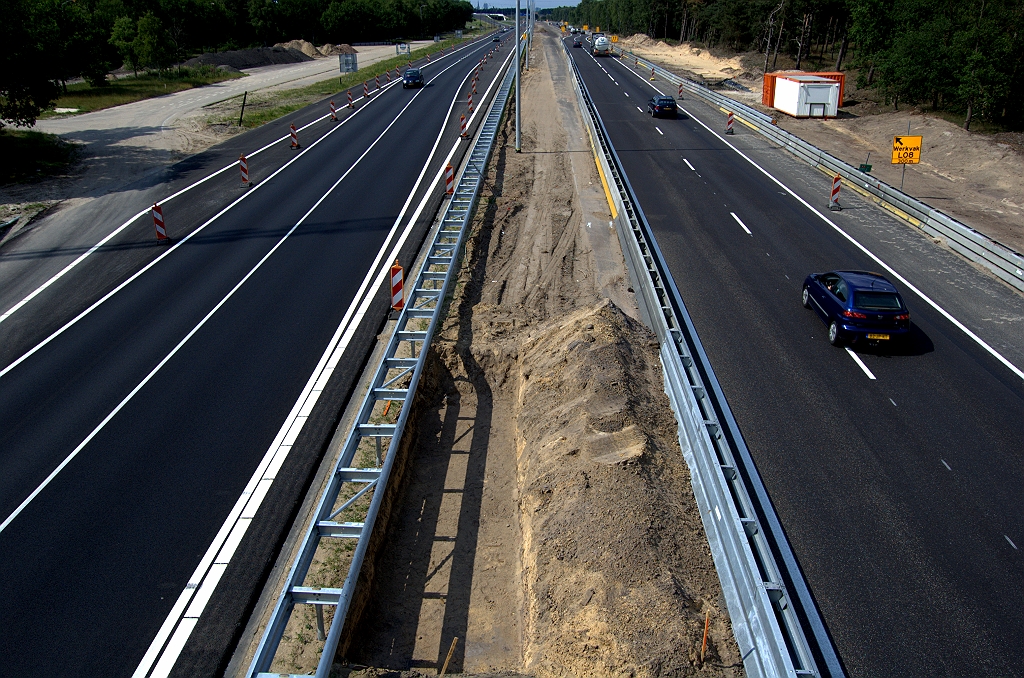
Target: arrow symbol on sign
x,y
898,141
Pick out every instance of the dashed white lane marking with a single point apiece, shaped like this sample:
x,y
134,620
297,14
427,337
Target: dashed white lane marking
x,y
856,359
744,227
893,402
948,468
689,165
639,109
659,130
626,93
1011,543
924,297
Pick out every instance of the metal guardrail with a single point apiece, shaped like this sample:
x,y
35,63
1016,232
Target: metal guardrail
x,y
774,618
395,380
1003,261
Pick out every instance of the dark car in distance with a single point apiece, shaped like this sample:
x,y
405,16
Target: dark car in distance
x,y
857,306
662,107
577,43
412,78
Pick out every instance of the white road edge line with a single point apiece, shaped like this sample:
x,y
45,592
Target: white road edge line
x,y
82,257
856,359
188,608
742,225
688,164
53,474
924,297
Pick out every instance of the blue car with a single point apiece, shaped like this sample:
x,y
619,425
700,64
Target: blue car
x,y
857,307
412,78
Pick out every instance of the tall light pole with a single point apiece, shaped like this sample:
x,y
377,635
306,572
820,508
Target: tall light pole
x,y
527,29
519,91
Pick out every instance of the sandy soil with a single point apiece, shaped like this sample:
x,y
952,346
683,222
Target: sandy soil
x,y
975,178
548,521
685,56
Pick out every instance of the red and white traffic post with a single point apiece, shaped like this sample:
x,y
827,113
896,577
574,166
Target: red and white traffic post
x,y
652,73
728,122
397,295
295,137
428,57
449,180
366,88
470,102
350,99
833,198
398,73
388,73
334,113
243,167
680,91
158,224
376,79
462,126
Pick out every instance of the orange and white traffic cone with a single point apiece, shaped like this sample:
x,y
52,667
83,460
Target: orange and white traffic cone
x,y
449,180
295,137
158,224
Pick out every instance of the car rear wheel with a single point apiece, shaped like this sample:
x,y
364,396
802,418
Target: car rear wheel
x,y
805,297
833,334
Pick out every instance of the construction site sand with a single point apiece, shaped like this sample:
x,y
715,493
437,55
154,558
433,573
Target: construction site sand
x,y
547,519
685,56
975,178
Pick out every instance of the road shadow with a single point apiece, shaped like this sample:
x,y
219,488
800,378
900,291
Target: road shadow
x,y
916,343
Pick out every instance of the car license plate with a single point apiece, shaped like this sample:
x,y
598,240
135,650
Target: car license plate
x,y
878,336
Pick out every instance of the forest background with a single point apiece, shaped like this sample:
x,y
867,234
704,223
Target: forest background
x,y
956,56
47,43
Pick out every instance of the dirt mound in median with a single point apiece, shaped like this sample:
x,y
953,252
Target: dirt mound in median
x,y
250,58
547,520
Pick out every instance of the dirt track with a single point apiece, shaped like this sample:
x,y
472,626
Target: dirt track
x,y
547,521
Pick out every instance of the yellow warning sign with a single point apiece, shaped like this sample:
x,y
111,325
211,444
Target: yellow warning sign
x,y
615,38
585,27
906,150
563,29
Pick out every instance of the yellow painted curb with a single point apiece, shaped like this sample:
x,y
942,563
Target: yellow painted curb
x,y
600,172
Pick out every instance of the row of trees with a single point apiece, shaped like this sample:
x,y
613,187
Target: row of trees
x,y
48,42
964,56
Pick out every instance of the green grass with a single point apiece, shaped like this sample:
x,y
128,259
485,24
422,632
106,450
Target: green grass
x,y
86,97
284,102
38,155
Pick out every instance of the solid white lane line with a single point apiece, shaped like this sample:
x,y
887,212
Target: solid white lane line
x,y
688,164
856,359
742,225
924,297
82,257
186,612
659,130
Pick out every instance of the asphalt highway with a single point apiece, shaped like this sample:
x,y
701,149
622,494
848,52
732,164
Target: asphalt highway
x,y
897,474
139,394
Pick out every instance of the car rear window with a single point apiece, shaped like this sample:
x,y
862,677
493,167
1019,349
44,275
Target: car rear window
x,y
877,301
666,100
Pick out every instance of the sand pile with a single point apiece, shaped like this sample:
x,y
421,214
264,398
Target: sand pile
x,y
546,519
697,60
307,48
335,50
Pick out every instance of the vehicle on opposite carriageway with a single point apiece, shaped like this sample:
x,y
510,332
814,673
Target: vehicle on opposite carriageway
x,y
857,306
662,106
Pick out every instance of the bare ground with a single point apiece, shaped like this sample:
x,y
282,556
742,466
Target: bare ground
x,y
974,177
547,522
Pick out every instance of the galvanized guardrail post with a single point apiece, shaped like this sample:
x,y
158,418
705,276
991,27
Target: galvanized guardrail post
x,y
395,379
